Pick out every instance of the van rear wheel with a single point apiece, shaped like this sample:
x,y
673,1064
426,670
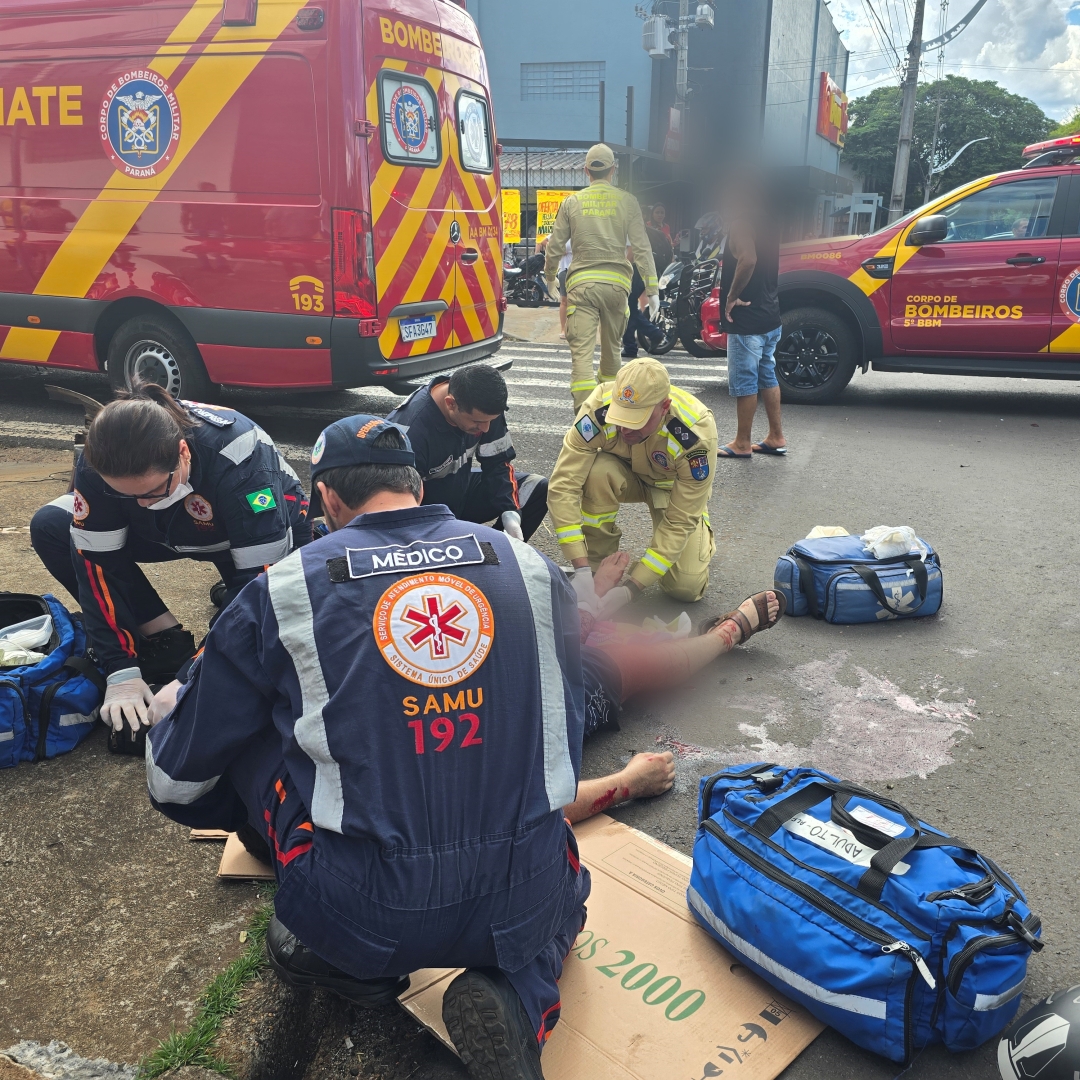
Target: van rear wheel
x,y
151,349
815,358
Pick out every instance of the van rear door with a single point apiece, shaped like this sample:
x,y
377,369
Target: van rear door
x,y
412,201
474,180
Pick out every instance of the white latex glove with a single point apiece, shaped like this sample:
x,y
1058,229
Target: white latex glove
x,y
511,523
164,701
614,599
585,587
654,308
128,698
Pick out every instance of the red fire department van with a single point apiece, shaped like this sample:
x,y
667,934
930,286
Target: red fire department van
x,y
984,280
270,193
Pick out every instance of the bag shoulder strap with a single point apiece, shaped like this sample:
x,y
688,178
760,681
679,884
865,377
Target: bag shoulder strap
x,y
84,667
806,585
869,575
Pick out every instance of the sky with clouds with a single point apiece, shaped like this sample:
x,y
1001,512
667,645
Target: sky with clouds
x,y
1031,47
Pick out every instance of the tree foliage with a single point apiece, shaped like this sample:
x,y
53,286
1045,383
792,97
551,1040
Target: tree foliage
x,y
969,109
1068,127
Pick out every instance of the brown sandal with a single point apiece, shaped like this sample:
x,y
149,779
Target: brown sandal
x,y
761,603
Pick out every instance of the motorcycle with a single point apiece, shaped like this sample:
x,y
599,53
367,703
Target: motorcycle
x,y
524,283
668,284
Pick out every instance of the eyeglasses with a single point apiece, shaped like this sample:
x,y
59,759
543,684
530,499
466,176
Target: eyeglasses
x,y
157,493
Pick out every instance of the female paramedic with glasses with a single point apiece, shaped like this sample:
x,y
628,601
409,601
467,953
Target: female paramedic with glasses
x,y
161,480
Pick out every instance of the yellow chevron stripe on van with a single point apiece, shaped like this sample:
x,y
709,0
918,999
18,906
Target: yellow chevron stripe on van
x,y
203,92
896,247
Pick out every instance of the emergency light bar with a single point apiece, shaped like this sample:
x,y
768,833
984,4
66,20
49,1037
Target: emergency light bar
x,y
1066,142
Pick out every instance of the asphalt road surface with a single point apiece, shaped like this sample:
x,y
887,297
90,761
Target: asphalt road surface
x,y
969,717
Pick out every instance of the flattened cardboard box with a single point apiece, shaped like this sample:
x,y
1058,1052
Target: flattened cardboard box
x,y
647,994
237,864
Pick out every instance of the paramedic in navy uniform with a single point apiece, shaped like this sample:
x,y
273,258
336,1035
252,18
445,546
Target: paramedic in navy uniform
x,y
397,708
455,418
161,480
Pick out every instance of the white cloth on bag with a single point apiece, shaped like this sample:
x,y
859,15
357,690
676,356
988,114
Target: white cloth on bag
x,y
891,541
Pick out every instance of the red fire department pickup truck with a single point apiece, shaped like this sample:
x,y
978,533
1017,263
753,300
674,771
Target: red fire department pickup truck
x,y
984,280
276,193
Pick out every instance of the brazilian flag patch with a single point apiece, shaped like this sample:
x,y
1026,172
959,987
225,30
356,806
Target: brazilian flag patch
x,y
261,500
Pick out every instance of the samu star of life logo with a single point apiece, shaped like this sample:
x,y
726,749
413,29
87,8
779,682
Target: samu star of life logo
x,y
438,628
434,629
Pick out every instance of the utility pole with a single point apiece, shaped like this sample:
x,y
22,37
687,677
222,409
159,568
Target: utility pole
x,y
682,49
907,115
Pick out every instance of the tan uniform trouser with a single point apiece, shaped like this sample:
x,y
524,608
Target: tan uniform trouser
x,y
595,303
611,482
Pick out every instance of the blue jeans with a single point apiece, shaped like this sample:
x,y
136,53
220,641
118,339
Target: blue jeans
x,y
751,364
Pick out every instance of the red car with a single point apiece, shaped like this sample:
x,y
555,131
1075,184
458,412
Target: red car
x,y
984,280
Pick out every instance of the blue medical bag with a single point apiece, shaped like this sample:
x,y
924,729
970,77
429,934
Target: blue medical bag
x,y
883,927
837,579
45,708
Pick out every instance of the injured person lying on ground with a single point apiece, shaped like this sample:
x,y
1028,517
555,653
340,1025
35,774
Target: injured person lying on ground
x,y
628,664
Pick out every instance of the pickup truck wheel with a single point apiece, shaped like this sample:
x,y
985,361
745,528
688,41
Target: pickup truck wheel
x,y
816,356
151,349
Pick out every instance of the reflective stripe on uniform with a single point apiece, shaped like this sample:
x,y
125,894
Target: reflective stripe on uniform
x,y
114,540
499,446
665,485
196,549
559,779
243,446
606,378
65,502
594,521
291,602
167,790
247,558
684,406
607,277
656,562
527,485
585,384
570,534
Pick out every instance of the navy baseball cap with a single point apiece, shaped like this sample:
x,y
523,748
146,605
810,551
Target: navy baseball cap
x,y
349,442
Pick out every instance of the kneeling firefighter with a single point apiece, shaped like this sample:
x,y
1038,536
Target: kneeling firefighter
x,y
405,707
161,480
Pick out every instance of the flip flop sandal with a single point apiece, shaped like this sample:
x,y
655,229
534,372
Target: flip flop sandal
x,y
765,448
762,604
724,451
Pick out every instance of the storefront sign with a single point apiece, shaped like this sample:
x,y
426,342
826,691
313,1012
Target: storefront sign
x,y
547,206
832,117
511,215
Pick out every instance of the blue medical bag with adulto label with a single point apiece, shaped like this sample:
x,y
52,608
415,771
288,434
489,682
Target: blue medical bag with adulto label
x,y
837,579
49,689
883,927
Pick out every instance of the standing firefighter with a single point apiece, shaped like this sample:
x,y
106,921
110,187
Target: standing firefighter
x,y
638,439
599,222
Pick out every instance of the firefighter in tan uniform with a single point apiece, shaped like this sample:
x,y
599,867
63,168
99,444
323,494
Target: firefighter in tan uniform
x,y
638,439
599,222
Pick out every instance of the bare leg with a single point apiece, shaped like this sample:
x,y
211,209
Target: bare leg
x,y
162,622
645,775
745,407
770,398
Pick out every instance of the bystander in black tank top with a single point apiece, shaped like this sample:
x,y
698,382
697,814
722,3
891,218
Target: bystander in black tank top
x,y
763,314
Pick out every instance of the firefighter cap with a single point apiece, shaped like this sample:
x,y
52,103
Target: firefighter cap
x,y
349,442
639,387
599,157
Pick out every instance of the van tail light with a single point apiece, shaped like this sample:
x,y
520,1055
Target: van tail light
x,y
354,265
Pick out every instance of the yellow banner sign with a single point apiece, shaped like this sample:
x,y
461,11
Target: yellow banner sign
x,y
547,206
511,215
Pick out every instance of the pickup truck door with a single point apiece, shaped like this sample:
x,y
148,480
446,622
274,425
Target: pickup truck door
x,y
987,288
1065,307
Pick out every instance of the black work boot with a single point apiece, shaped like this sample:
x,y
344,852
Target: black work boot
x,y
489,1026
163,654
297,965
218,592
254,844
